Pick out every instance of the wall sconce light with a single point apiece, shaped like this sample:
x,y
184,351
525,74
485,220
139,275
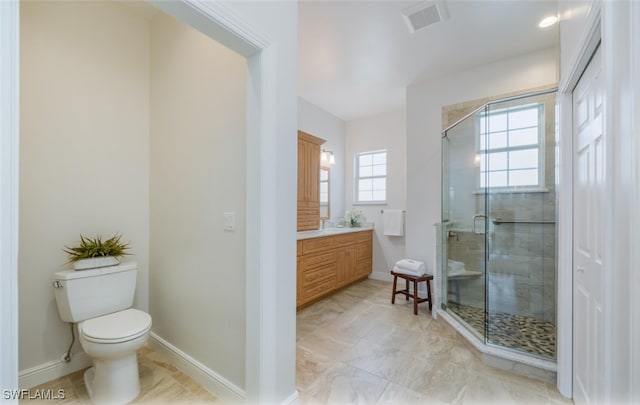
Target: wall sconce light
x,y
327,157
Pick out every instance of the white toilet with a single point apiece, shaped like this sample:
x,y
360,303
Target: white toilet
x,y
111,332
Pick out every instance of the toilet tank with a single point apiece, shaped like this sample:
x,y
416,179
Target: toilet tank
x,y
87,294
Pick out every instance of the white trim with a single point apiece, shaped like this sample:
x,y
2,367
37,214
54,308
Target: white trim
x,y
539,146
262,247
51,370
588,43
291,399
9,155
618,48
635,241
356,179
209,379
564,353
227,28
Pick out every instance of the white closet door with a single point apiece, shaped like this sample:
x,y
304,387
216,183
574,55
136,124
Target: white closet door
x,y
588,186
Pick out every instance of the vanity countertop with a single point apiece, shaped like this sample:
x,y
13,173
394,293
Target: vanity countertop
x,y
331,232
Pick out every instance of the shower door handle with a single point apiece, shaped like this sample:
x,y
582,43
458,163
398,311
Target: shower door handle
x,y
473,224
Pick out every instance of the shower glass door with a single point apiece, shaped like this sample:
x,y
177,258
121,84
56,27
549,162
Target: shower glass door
x,y
518,168
463,226
498,243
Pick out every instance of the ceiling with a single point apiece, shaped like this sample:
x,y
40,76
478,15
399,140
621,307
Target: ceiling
x,y
355,58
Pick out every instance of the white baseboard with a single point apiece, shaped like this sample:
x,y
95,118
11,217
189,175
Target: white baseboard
x,y
46,372
209,379
377,275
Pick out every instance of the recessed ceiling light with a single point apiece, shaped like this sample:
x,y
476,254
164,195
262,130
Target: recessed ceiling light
x,y
548,21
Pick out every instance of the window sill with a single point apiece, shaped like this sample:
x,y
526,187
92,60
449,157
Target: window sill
x,y
370,203
512,190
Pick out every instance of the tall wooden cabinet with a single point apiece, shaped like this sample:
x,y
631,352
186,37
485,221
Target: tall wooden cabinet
x,y
308,181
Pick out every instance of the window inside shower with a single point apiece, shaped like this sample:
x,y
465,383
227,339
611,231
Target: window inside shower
x,y
510,144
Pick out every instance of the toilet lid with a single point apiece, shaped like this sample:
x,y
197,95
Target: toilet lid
x,y
117,326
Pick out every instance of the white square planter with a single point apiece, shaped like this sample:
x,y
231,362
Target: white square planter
x,y
95,262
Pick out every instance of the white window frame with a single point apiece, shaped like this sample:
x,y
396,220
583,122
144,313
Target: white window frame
x,y
357,178
540,187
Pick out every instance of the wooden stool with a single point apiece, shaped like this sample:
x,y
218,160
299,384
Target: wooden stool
x,y
415,280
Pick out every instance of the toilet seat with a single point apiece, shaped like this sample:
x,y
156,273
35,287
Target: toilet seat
x,y
117,327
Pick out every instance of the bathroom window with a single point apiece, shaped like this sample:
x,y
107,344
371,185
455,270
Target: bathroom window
x,y
371,177
510,147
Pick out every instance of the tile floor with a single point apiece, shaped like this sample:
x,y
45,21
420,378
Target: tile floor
x,y
161,383
355,347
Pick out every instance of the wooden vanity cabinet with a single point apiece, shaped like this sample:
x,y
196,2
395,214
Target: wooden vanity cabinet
x,y
328,263
364,254
346,254
308,181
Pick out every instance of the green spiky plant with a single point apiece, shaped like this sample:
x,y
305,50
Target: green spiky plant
x,y
94,247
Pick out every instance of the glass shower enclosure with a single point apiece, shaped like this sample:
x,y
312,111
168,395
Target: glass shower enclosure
x,y
498,223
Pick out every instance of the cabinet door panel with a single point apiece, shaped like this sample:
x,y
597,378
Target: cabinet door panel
x,y
345,265
364,268
364,251
347,239
320,289
313,174
318,260
318,244
312,277
365,236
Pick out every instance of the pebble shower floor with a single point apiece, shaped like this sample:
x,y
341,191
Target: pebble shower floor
x,y
523,333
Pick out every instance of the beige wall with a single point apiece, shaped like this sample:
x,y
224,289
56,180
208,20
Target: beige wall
x,y
84,158
382,131
198,172
102,89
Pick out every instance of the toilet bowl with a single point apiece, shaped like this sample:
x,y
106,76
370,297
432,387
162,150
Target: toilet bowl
x,y
110,330
112,342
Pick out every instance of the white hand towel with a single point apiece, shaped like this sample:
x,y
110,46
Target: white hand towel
x,y
413,265
401,270
393,222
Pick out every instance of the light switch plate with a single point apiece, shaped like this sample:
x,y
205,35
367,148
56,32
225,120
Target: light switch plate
x,y
229,221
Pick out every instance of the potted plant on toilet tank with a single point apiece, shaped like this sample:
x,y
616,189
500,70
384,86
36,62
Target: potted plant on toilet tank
x,y
91,253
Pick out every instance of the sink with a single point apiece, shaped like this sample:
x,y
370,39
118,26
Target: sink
x,y
335,230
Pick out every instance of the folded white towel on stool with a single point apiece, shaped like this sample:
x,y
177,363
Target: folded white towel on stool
x,y
400,270
411,267
415,266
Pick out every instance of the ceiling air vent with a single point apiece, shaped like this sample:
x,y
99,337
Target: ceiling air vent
x,y
422,15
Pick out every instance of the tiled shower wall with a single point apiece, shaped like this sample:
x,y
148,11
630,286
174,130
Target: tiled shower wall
x,y
522,257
